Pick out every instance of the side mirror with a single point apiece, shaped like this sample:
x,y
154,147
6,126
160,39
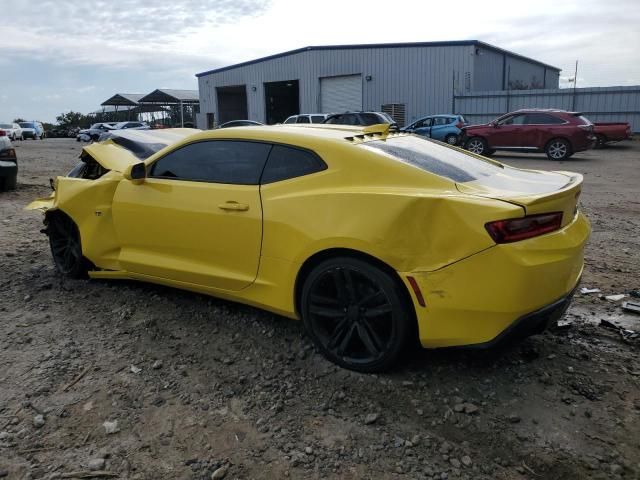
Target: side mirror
x,y
136,172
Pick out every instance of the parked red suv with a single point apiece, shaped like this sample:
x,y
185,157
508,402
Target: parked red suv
x,y
558,133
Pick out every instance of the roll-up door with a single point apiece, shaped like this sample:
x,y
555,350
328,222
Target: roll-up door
x,y
339,94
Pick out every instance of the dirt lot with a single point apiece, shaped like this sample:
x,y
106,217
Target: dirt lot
x,y
199,385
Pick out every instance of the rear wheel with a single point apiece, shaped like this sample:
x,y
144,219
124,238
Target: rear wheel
x,y
66,249
356,314
451,139
558,149
477,145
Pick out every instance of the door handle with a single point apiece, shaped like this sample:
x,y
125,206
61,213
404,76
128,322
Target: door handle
x,y
234,206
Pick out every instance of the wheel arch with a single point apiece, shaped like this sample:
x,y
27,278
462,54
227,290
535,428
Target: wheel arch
x,y
311,262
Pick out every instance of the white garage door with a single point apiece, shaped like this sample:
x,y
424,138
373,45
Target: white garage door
x,y
339,94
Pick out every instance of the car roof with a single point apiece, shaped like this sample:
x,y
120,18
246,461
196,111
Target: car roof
x,y
299,134
543,110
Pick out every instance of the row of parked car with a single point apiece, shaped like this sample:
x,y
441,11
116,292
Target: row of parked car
x,y
558,133
97,129
23,130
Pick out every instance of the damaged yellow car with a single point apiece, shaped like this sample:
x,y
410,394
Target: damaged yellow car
x,y
372,238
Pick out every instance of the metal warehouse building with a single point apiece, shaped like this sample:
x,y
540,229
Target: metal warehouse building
x,y
407,80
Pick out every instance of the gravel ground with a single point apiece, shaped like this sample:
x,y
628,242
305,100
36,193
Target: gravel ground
x,y
130,380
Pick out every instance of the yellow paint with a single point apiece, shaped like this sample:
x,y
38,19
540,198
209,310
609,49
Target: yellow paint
x,y
175,232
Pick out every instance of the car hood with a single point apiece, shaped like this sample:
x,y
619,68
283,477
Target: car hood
x,y
480,126
117,149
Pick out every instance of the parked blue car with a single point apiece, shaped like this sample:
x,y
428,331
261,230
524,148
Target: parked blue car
x,y
445,128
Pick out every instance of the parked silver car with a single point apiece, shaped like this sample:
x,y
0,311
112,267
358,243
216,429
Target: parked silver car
x,y
13,130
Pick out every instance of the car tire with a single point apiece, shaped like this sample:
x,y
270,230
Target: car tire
x,y
65,244
477,145
451,139
601,141
558,149
356,314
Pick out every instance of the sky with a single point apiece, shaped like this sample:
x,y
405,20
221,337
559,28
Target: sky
x,y
74,54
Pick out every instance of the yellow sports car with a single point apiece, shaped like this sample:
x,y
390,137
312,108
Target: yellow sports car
x,y
372,238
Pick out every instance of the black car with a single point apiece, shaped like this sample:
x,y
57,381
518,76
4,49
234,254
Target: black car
x,y
8,164
361,118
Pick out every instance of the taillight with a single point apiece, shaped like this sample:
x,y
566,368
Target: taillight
x,y
3,133
9,153
516,229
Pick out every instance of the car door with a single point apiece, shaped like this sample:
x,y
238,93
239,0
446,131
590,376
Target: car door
x,y
540,129
423,127
508,132
197,217
440,128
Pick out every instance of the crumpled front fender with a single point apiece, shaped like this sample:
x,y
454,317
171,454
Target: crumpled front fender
x,y
43,204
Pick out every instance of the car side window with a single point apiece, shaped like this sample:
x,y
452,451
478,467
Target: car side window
x,y
317,118
542,119
287,162
514,120
370,119
216,161
303,119
440,121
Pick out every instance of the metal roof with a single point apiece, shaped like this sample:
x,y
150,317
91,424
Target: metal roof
x,y
452,43
129,99
171,97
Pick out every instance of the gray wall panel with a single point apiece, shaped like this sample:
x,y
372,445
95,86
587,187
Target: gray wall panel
x,y
599,104
419,77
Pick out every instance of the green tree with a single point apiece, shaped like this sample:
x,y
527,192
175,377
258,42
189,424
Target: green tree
x,y
72,119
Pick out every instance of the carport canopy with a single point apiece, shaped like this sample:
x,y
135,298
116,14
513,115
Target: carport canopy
x,y
123,100
170,97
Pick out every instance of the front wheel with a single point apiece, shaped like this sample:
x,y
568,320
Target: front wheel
x,y
66,249
477,145
451,139
356,314
558,149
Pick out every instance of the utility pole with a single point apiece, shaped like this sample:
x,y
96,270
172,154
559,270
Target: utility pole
x,y
575,81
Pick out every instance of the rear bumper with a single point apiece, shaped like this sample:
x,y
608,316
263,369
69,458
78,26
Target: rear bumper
x,y
518,286
531,324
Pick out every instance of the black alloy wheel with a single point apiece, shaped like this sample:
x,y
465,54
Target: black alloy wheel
x,y
66,249
356,314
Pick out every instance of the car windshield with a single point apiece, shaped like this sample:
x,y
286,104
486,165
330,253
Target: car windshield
x,y
27,125
6,125
435,158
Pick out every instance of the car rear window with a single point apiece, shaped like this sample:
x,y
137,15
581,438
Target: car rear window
x,y
585,120
435,158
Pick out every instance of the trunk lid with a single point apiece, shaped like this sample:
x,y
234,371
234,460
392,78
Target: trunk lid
x,y
535,191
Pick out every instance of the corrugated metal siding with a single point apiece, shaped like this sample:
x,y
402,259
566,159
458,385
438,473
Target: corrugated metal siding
x,y
599,104
422,78
488,70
